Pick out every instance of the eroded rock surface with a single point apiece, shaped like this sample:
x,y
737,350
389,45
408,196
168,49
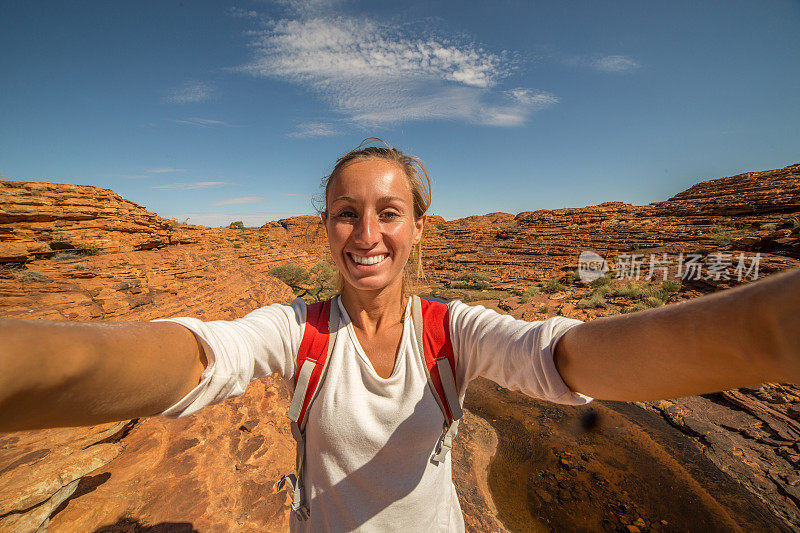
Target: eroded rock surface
x,y
718,462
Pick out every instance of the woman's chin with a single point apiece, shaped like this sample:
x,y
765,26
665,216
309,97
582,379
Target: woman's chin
x,y
370,283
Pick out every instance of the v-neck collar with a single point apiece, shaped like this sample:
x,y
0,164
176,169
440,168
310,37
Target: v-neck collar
x,y
399,356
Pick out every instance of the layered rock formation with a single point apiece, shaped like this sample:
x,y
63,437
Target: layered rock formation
x,y
717,462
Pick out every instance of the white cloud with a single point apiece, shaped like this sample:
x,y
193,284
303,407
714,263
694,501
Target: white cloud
x,y
314,129
191,186
201,122
615,63
213,220
240,201
374,74
165,170
190,92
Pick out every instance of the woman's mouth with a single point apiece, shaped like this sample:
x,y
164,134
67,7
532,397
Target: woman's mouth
x,y
367,260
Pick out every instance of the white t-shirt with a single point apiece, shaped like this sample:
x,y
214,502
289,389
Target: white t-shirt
x,y
369,440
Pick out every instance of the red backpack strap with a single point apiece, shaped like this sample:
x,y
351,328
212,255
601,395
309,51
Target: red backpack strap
x,y
322,323
432,329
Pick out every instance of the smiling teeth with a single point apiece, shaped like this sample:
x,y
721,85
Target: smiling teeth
x,y
375,259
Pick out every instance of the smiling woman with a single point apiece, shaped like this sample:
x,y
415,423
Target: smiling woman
x,y
402,193
379,377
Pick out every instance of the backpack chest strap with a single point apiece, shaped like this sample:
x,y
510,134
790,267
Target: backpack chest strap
x,y
431,329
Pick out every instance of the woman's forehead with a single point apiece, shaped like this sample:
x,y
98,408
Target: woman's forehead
x,y
372,178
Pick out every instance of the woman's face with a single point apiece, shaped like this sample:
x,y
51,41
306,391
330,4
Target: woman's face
x,y
370,223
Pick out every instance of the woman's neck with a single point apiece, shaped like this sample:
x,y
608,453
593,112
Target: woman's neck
x,y
371,311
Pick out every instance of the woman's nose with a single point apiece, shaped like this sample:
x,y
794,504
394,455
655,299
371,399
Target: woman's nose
x,y
367,230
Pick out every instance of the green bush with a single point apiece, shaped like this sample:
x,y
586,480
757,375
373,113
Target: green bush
x,y
89,249
292,275
526,295
671,286
570,278
629,291
470,280
236,225
595,301
599,282
603,290
440,226
769,227
468,295
237,245
721,238
553,286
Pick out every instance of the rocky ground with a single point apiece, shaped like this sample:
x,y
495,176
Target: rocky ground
x,y
727,461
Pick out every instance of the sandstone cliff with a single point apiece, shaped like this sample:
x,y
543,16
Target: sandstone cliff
x,y
717,462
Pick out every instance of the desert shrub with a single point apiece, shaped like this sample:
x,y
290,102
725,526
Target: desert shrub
x,y
64,256
526,295
544,309
89,249
570,278
439,226
769,227
470,280
292,275
595,301
553,286
32,275
237,245
313,286
236,225
80,266
468,295
599,282
795,225
671,286
323,282
629,291
603,290
720,237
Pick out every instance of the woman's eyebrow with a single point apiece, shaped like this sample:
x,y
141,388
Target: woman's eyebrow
x,y
387,199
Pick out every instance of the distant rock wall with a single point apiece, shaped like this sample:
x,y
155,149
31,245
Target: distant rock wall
x,y
213,470
40,219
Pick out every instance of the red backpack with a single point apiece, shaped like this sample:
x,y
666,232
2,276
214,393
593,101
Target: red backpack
x,y
431,327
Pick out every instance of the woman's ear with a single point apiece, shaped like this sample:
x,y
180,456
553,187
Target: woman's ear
x,y
419,228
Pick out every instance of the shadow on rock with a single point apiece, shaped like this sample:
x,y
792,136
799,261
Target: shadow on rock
x,y
133,525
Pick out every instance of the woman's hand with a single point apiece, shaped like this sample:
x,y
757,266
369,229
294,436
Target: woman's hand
x,y
734,338
56,374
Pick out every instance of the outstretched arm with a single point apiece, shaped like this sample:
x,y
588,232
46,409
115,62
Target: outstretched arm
x,y
735,338
56,374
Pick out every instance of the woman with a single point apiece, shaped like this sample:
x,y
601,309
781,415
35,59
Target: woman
x,y
375,422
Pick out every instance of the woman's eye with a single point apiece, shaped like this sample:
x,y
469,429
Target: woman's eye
x,y
390,214
346,214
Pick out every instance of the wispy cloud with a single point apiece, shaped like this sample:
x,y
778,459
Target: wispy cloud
x,y
190,92
240,201
615,63
314,129
197,185
375,74
201,122
165,170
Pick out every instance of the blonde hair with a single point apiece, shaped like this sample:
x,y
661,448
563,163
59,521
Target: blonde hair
x,y
418,181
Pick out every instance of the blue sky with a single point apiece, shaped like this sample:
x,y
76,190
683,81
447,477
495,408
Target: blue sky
x,y
220,111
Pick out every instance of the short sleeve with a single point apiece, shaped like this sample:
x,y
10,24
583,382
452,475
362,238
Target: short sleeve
x,y
238,351
515,354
